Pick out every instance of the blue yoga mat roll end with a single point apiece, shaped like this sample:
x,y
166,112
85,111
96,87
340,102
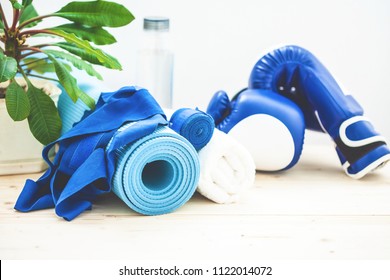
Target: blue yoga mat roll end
x,y
157,174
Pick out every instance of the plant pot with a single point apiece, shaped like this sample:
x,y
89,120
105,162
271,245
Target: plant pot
x,y
20,152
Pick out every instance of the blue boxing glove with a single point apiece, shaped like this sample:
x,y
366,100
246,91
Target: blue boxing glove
x,y
297,74
270,126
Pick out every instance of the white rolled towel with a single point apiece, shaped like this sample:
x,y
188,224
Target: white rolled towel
x,y
226,169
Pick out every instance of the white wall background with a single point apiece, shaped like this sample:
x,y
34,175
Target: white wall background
x,y
217,42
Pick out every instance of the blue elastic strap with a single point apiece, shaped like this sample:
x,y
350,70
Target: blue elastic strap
x,y
194,125
83,167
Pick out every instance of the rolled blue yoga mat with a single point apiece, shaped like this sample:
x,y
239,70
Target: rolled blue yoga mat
x,y
157,173
194,125
152,168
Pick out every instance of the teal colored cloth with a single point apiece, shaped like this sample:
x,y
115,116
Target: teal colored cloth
x,y
71,112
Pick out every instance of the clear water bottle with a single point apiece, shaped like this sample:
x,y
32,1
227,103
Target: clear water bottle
x,y
154,65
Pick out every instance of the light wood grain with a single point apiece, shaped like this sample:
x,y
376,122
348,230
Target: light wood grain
x,y
313,211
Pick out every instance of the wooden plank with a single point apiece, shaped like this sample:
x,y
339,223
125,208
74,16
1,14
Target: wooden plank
x,y
313,211
198,237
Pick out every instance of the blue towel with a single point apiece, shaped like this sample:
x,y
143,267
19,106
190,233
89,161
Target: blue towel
x,y
83,168
194,125
156,174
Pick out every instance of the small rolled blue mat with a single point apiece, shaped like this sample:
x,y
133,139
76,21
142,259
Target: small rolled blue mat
x,y
194,125
156,174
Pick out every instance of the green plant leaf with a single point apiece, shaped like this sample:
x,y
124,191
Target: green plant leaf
x,y
77,62
96,35
18,105
88,100
25,3
41,66
73,49
101,56
8,68
38,65
69,83
28,13
66,79
83,54
1,23
44,120
96,13
16,4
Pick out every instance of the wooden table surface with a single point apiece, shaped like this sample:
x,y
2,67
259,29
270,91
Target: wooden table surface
x,y
312,211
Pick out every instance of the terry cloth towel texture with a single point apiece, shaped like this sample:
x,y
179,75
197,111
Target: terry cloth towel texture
x,y
83,168
194,125
158,173
227,169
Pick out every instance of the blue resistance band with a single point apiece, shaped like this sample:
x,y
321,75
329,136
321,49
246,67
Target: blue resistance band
x,y
156,174
83,168
194,125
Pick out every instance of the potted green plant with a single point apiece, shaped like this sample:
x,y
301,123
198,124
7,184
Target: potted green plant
x,y
60,48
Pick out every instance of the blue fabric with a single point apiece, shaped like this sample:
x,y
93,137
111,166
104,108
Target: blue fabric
x,y
158,173
194,125
83,168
